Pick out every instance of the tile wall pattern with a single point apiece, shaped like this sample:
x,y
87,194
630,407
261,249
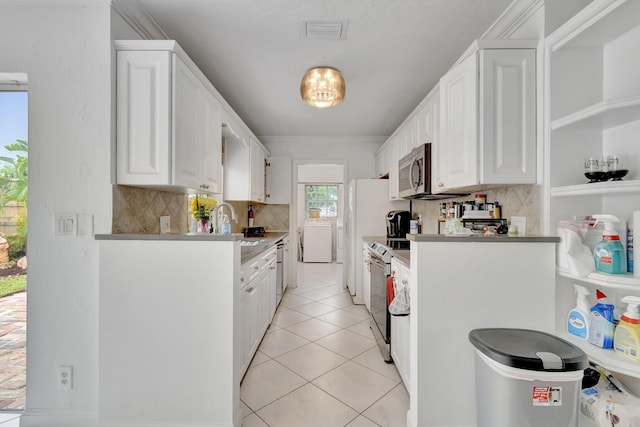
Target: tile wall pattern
x,y
138,210
521,200
271,217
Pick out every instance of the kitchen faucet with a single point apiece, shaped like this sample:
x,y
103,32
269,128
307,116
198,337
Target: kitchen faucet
x,y
217,214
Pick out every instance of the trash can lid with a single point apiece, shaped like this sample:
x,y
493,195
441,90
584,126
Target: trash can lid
x,y
528,349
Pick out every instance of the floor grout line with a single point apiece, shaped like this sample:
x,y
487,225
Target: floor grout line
x,y
347,310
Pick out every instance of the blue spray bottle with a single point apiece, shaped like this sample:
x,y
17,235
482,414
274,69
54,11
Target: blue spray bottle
x,y
609,254
602,326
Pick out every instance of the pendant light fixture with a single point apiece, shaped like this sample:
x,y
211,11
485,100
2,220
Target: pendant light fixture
x,y
322,87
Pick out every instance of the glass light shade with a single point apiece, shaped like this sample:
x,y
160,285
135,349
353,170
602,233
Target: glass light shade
x,y
322,87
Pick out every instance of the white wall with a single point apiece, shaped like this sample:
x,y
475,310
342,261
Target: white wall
x,y
65,50
358,153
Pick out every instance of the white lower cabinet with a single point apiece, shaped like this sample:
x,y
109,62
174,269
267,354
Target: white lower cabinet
x,y
257,303
400,326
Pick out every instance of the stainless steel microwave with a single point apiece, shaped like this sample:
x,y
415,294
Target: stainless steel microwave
x,y
414,173
414,176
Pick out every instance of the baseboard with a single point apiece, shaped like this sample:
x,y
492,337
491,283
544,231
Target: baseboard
x,y
56,418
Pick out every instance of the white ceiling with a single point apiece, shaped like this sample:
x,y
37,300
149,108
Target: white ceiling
x,y
254,52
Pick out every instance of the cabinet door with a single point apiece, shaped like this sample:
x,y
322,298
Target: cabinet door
x,y
246,327
279,182
237,164
187,113
458,148
257,172
383,161
211,144
393,168
143,118
507,114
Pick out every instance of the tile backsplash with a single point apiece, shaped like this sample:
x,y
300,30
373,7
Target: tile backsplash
x,y
138,210
521,200
271,217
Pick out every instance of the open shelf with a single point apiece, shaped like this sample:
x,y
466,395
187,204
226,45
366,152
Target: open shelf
x,y
623,282
597,188
596,25
604,115
608,358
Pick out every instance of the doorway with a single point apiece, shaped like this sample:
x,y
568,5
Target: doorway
x,y
13,234
318,205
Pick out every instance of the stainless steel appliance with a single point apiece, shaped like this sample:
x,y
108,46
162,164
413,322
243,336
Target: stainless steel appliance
x,y
367,202
380,267
414,176
398,223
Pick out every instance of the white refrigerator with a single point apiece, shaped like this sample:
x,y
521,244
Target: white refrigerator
x,y
367,207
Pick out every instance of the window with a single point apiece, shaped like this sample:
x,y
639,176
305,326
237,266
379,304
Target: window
x,y
321,200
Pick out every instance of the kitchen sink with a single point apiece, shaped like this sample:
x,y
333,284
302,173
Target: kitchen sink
x,y
252,242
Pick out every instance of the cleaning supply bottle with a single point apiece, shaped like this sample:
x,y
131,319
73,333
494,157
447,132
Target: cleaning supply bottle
x,y
578,318
226,226
609,254
601,322
627,337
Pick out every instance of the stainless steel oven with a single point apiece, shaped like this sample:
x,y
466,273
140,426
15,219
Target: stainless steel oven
x,y
380,318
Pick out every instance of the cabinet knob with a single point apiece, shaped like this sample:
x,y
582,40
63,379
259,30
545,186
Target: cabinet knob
x,y
440,184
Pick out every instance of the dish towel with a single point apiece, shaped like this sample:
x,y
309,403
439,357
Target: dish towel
x,y
390,290
399,305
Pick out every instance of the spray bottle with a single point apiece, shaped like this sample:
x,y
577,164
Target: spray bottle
x,y
602,326
609,254
627,337
226,226
578,318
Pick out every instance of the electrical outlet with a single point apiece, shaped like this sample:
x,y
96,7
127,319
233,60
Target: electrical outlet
x,y
65,377
165,224
85,225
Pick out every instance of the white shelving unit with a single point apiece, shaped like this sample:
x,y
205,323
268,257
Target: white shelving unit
x,y
593,109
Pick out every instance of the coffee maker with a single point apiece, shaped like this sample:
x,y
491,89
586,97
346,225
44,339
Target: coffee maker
x,y
398,223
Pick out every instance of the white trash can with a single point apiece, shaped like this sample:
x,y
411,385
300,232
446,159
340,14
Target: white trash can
x,y
526,378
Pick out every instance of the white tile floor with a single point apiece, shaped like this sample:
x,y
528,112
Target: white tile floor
x,y
8,419
318,365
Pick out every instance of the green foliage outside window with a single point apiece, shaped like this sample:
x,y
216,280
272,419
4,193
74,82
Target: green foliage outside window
x,y
323,198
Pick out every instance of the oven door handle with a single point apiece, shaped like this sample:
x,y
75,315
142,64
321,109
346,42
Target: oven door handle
x,y
374,260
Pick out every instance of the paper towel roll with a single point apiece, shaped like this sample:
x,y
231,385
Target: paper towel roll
x,y
635,228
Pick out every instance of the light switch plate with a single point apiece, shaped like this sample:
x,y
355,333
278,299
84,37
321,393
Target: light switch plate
x,y
65,224
165,224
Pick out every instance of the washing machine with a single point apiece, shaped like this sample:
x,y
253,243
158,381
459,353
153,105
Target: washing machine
x,y
317,240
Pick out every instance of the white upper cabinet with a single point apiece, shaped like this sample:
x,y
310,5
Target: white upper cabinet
x,y
279,180
487,120
244,164
168,121
382,161
258,172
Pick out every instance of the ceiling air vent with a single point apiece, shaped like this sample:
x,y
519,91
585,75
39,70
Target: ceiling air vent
x,y
324,30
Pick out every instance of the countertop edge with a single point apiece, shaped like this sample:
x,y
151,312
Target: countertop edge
x,y
419,238
189,237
